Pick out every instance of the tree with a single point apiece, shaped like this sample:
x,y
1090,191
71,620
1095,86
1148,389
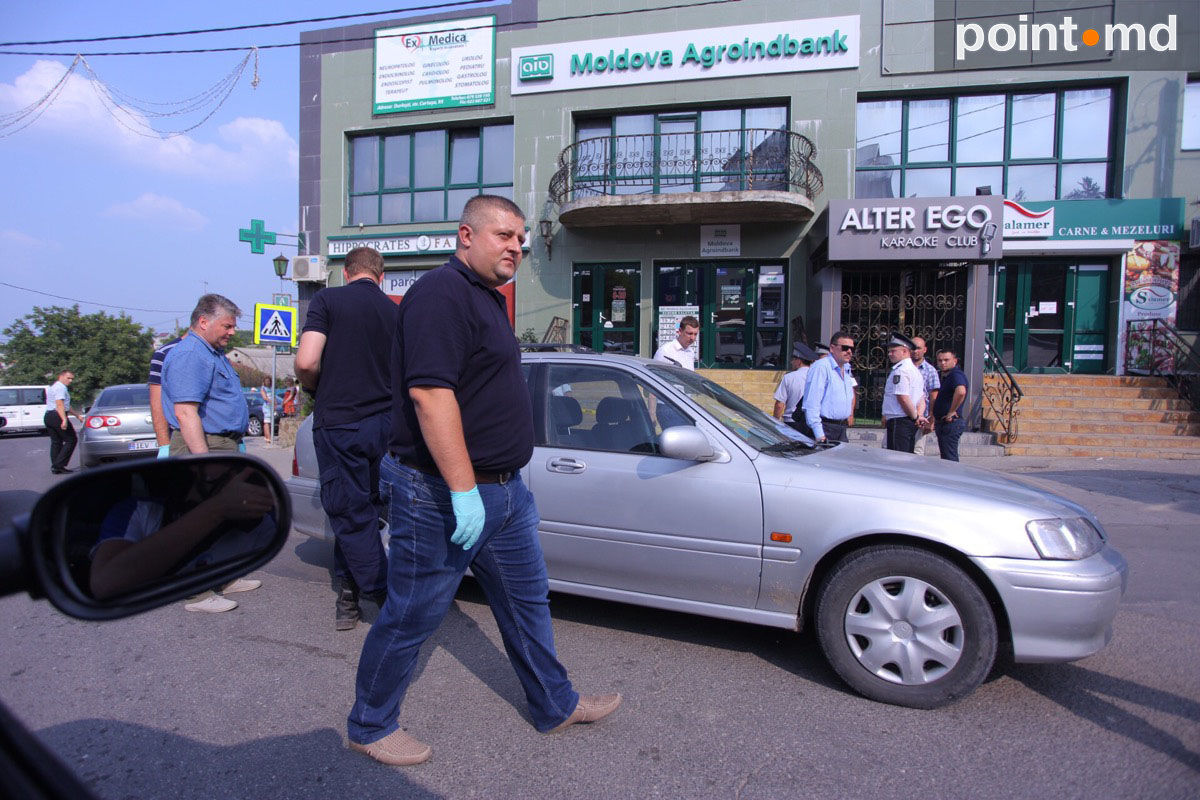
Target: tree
x,y
1088,189
100,349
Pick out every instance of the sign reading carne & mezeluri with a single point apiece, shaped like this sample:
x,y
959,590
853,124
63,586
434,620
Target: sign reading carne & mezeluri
x,y
916,228
764,48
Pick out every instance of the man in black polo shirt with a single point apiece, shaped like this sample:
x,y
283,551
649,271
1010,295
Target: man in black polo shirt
x,y
462,425
345,358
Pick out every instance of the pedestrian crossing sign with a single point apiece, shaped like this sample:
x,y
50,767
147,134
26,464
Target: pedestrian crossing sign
x,y
274,324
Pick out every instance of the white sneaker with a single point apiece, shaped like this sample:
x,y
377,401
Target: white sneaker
x,y
212,605
242,585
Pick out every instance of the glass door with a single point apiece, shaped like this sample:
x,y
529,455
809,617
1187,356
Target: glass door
x,y
1034,317
606,307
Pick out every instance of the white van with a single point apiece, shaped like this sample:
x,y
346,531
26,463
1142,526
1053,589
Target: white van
x,y
23,408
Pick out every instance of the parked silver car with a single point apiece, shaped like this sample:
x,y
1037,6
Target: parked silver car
x,y
660,488
118,426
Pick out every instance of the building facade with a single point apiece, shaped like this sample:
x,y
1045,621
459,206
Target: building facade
x,y
741,162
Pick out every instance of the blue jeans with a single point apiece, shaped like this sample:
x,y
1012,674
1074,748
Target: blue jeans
x,y
948,434
348,459
424,571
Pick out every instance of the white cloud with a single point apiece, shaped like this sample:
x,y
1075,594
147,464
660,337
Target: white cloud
x,y
249,147
16,240
159,210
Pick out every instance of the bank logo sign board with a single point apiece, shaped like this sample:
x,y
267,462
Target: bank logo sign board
x,y
916,229
447,64
729,52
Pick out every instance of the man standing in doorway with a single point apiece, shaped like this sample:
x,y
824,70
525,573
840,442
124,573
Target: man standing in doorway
x,y
791,388
62,434
828,403
947,417
678,351
204,406
345,359
903,396
929,375
462,427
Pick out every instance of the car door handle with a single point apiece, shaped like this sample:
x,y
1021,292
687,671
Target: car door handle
x,y
567,465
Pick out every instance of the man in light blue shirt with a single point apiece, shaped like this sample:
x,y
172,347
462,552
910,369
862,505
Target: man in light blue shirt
x,y
829,392
202,395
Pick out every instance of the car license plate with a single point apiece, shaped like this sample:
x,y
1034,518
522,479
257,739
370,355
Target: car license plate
x,y
144,444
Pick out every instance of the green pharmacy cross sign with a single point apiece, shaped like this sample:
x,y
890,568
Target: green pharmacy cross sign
x,y
257,236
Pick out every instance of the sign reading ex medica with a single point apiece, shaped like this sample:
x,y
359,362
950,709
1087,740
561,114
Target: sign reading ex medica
x,y
446,64
729,52
916,228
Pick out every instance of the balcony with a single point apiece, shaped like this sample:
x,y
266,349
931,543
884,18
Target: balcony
x,y
749,175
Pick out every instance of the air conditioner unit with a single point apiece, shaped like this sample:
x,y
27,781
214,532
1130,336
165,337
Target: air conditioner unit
x,y
310,268
1194,239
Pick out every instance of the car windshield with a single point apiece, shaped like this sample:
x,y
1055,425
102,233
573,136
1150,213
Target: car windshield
x,y
761,431
118,396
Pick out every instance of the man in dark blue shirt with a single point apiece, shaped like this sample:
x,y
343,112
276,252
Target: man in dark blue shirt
x,y
345,359
947,420
462,425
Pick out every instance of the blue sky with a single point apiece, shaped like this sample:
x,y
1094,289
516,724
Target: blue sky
x,y
94,211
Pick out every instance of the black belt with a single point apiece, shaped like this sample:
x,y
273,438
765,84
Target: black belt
x,y
235,435
480,477
827,420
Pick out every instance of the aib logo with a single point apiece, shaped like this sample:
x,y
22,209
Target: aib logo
x,y
533,68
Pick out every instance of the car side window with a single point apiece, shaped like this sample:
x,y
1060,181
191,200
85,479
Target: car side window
x,y
602,408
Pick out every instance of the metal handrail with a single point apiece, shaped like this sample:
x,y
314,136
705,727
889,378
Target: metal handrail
x,y
1154,347
648,163
1002,397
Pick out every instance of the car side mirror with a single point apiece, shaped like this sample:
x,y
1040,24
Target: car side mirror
x,y
687,443
127,538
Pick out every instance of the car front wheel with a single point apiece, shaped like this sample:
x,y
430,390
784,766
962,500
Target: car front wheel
x,y
255,428
905,626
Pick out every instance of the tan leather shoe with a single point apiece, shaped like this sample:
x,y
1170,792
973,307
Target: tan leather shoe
x,y
397,748
590,708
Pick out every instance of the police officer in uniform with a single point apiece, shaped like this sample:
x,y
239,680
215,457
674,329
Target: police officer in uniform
x,y
903,396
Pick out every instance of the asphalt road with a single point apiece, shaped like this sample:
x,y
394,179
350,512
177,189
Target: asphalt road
x,y
252,703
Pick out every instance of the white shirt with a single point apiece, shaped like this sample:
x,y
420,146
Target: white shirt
x,y
904,379
672,351
791,391
58,391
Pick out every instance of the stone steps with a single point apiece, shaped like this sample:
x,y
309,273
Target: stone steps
x,y
1100,416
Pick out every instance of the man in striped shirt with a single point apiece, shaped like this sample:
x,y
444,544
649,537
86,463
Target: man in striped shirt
x,y
162,431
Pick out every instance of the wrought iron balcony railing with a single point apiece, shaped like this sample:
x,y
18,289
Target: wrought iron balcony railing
x,y
700,161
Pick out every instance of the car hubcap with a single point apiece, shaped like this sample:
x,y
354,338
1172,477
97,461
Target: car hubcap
x,y
904,630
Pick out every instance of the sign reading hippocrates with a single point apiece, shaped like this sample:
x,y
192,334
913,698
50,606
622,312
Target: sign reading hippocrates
x,y
730,52
446,64
413,244
916,228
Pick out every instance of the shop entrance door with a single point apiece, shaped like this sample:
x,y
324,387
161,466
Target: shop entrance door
x,y
605,307
741,310
1051,316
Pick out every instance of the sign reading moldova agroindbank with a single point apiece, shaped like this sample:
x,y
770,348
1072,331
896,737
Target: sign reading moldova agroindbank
x,y
730,52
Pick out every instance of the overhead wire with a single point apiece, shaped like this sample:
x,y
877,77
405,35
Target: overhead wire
x,y
498,25
90,302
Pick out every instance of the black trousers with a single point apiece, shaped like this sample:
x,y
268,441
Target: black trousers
x,y
62,440
348,458
834,431
901,434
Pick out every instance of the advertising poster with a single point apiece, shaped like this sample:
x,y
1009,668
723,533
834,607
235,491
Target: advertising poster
x,y
446,64
668,325
1150,291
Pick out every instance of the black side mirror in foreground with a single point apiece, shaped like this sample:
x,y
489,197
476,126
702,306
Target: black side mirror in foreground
x,y
123,539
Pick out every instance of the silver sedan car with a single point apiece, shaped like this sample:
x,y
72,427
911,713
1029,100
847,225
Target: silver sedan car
x,y
118,426
660,488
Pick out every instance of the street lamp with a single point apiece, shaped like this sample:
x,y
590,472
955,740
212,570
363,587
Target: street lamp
x,y
280,263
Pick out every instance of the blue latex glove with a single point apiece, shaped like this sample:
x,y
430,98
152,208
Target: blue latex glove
x,y
164,451
469,514
241,447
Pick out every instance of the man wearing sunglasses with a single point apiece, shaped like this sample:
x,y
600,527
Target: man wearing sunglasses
x,y
828,403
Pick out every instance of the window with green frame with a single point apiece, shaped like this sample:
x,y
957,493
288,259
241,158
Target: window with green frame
x,y
427,175
701,150
1035,145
